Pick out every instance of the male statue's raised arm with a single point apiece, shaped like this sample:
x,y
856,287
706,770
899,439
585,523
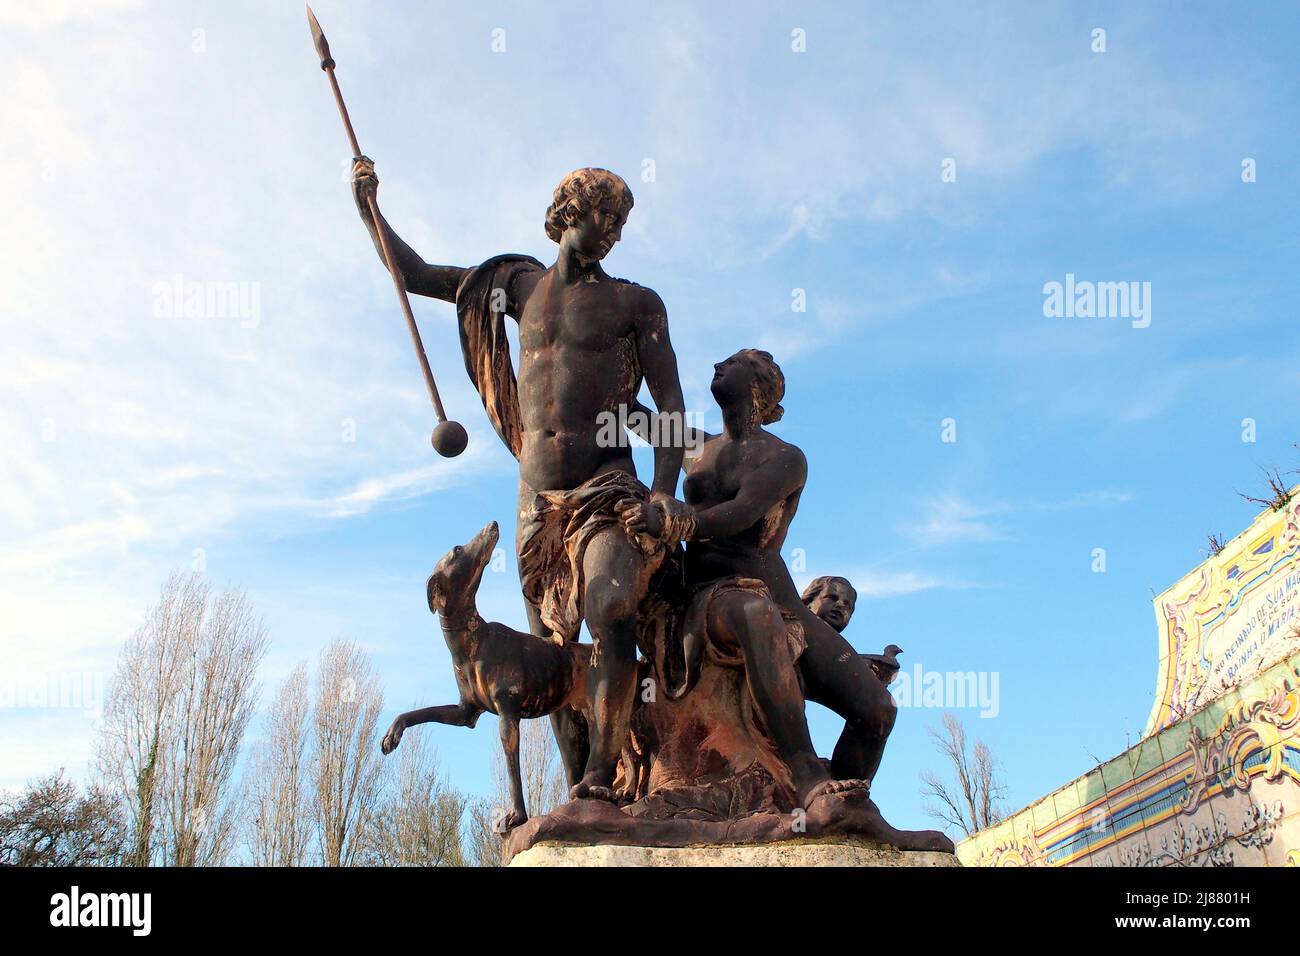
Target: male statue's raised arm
x,y
439,282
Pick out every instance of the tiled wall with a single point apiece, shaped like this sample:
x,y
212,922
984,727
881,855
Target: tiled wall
x,y
1218,788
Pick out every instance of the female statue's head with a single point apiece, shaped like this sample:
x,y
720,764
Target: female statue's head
x,y
751,374
592,205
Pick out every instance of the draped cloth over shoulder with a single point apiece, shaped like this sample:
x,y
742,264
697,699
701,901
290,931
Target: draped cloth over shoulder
x,y
482,299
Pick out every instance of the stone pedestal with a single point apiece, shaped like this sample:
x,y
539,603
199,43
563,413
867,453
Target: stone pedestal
x,y
785,853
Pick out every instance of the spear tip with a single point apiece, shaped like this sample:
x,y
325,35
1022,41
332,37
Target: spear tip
x,y
318,39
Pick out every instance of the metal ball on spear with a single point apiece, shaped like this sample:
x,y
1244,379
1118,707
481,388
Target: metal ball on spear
x,y
449,437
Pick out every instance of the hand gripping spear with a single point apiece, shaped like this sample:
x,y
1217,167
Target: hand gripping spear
x,y
449,438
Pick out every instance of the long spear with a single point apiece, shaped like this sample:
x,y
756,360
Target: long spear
x,y
449,438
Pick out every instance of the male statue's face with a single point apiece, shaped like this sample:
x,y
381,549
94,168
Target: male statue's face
x,y
596,232
835,605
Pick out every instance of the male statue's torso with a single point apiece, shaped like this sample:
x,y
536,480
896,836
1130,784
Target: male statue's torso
x,y
577,360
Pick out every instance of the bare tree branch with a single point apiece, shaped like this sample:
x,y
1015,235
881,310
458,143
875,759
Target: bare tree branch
x,y
974,803
418,818
484,842
52,824
180,701
1279,494
218,695
278,782
346,764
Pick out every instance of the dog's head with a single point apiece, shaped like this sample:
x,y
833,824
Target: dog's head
x,y
455,580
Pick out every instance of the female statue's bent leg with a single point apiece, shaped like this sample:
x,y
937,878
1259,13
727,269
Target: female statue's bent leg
x,y
754,624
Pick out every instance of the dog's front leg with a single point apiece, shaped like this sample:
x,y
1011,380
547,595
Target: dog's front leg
x,y
510,744
457,715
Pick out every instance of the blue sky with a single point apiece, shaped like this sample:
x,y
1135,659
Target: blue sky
x,y
199,140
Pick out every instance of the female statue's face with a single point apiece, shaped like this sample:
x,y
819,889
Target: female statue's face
x,y
733,379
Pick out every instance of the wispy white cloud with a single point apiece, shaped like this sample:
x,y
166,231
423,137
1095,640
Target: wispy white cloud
x,y
51,13
411,483
872,583
951,519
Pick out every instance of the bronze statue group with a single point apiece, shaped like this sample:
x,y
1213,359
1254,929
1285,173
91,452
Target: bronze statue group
x,y
684,718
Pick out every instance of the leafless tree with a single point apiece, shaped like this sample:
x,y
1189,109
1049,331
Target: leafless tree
x,y
217,696
975,802
483,842
419,815
53,824
346,761
137,714
177,710
544,786
278,781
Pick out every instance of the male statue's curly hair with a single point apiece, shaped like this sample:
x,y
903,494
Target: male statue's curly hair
x,y
769,385
580,191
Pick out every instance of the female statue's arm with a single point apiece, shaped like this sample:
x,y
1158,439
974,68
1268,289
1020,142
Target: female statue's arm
x,y
760,491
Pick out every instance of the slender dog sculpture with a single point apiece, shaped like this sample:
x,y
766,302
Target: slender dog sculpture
x,y
509,673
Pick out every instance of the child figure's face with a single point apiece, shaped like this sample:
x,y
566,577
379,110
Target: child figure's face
x,y
835,605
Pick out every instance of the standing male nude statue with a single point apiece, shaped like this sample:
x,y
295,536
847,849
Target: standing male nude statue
x,y
586,342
